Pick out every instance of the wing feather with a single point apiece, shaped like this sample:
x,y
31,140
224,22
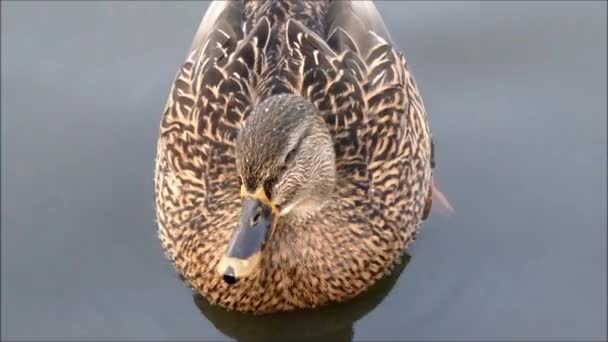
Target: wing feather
x,y
351,23
221,15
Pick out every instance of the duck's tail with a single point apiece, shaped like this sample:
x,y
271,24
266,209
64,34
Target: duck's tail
x,y
438,197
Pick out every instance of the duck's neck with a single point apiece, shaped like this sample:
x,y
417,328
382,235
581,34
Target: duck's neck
x,y
305,210
318,160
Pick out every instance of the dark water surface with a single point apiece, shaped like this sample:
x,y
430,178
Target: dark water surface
x,y
517,97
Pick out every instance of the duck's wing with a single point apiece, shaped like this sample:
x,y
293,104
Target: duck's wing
x,y
209,97
397,120
356,19
224,17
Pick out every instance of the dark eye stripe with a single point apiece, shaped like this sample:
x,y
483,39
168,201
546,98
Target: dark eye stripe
x,y
290,155
268,184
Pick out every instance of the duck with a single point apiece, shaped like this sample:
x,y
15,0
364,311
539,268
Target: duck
x,y
295,160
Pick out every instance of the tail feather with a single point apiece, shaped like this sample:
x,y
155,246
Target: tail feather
x,y
438,197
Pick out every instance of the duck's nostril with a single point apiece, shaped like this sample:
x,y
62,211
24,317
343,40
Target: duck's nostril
x,y
229,279
229,276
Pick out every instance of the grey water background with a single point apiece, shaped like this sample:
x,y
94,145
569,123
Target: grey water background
x,y
517,97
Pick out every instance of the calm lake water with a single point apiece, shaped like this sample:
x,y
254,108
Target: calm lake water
x,y
517,97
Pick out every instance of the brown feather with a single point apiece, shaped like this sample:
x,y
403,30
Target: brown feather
x,y
339,58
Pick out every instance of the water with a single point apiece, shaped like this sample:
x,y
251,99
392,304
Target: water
x,y
517,97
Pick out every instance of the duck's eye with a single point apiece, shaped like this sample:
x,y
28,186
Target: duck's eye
x,y
282,169
290,156
268,184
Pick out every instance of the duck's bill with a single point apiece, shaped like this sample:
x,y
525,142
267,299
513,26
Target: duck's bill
x,y
245,248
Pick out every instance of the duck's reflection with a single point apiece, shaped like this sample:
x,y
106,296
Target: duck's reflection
x,y
330,323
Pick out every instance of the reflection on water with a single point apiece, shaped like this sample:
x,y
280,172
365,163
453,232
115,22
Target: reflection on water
x,y
333,322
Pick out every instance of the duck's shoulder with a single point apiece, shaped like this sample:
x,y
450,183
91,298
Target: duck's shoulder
x,y
359,79
371,102
354,73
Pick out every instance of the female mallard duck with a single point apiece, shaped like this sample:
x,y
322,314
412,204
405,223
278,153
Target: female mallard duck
x,y
295,157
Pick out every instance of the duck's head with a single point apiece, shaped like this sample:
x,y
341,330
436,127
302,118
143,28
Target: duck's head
x,y
286,162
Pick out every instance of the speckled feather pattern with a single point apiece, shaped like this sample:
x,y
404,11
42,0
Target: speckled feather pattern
x,y
369,100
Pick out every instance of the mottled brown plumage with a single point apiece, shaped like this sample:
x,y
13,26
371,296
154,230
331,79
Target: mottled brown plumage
x,y
307,110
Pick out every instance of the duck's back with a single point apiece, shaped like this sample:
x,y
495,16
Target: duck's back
x,y
336,54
